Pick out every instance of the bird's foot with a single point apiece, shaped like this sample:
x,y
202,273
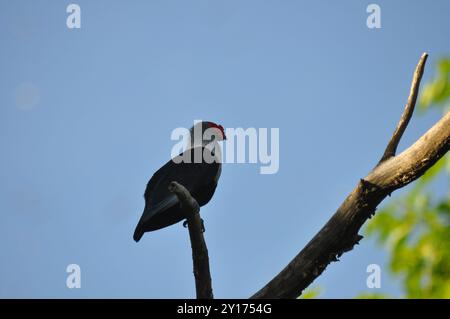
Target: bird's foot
x,y
185,224
203,225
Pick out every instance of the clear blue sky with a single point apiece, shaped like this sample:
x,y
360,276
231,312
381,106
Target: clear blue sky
x,y
86,117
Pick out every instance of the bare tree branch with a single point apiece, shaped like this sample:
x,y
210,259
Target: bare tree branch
x,y
199,250
340,233
409,109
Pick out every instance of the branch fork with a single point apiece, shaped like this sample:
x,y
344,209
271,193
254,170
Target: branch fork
x,y
340,233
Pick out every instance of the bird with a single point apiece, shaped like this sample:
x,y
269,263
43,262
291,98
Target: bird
x,y
198,174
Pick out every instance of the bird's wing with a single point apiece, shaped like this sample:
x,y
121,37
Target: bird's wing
x,y
163,205
190,175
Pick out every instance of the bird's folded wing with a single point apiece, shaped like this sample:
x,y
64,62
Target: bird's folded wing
x,y
166,203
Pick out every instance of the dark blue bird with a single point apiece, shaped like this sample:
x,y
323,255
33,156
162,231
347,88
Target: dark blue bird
x,y
199,174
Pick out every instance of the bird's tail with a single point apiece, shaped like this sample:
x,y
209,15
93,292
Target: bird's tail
x,y
146,218
138,232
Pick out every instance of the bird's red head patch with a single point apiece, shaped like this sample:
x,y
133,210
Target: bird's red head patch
x,y
220,128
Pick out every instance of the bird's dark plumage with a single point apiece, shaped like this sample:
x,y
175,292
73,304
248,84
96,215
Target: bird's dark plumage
x,y
162,208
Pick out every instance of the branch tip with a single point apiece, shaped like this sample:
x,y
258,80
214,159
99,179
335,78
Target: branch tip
x,y
391,148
